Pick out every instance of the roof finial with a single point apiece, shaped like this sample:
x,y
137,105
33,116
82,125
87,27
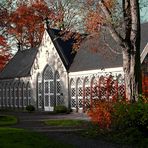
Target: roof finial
x,y
46,23
19,45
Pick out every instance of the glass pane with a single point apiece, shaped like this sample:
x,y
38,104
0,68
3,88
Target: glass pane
x,y
80,92
73,102
58,87
46,100
51,100
73,92
40,101
51,87
40,88
72,83
80,103
48,74
46,87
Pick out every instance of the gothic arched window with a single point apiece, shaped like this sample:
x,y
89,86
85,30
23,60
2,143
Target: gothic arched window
x,y
80,92
39,90
48,87
73,93
59,94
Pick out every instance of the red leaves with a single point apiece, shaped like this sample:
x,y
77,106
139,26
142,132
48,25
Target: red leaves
x,y
95,17
4,54
109,3
2,41
145,84
100,113
3,60
25,23
93,21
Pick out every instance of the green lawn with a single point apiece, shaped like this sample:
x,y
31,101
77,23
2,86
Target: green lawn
x,y
19,138
66,123
6,120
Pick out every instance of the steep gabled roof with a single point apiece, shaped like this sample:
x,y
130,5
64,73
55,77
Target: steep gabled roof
x,y
20,65
85,59
63,47
144,35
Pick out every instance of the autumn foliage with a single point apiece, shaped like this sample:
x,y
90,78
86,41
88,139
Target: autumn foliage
x,y
22,25
145,84
3,60
100,113
109,110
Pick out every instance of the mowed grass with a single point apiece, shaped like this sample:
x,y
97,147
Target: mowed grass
x,y
6,120
20,138
66,122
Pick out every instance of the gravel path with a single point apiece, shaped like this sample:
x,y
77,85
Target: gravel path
x,y
34,122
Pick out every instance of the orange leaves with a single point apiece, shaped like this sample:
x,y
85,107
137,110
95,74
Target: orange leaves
x,y
109,3
100,113
93,21
3,60
2,41
145,85
95,17
4,54
27,22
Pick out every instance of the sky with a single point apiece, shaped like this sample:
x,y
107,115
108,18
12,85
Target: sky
x,y
144,10
144,14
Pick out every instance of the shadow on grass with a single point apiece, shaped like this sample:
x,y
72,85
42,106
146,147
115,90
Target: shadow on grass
x,y
6,120
16,138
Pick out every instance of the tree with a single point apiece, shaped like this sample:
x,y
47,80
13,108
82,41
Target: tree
x,y
4,53
24,24
122,20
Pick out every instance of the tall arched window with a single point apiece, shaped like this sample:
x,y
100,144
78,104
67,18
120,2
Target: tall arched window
x,y
16,95
102,88
59,94
4,94
11,95
25,95
48,87
121,86
73,93
39,90
8,94
80,93
87,91
29,93
94,88
20,95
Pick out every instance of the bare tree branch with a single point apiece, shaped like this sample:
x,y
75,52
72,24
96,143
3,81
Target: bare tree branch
x,y
116,36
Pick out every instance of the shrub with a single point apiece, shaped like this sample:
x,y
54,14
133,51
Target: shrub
x,y
60,109
100,113
30,108
120,114
126,115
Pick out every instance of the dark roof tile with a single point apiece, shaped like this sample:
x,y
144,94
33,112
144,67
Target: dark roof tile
x,y
20,65
86,59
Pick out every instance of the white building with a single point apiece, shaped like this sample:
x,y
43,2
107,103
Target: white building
x,y
52,75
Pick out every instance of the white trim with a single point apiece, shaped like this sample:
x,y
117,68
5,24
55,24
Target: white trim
x,y
96,71
144,53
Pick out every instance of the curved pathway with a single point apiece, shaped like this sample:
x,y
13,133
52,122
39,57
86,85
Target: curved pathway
x,y
34,122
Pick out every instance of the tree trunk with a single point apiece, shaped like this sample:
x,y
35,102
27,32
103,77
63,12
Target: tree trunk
x,y
132,72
